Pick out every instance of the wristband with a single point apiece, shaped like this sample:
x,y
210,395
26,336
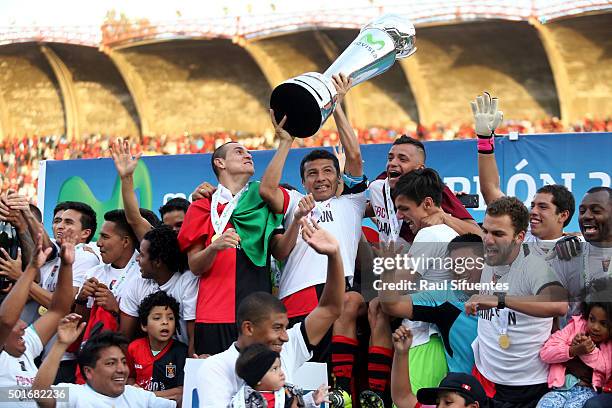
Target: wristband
x,y
486,144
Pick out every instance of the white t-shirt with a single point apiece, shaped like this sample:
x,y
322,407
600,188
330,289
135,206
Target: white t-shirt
x,y
218,379
341,216
592,263
84,260
381,211
519,364
116,279
20,372
428,252
182,286
83,396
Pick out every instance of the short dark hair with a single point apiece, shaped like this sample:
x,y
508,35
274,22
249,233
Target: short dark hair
x,y
120,220
472,241
257,307
159,298
220,152
164,246
601,188
512,207
36,212
90,353
404,139
175,204
562,198
88,215
318,154
150,216
419,184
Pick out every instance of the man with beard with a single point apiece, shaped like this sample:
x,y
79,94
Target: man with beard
x,y
515,312
408,154
226,240
552,207
595,220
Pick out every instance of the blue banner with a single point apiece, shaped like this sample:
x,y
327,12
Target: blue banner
x,y
579,161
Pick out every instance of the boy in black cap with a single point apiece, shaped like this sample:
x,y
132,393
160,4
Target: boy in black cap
x,y
261,370
456,390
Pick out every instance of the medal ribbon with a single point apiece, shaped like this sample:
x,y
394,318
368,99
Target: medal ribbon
x,y
220,222
391,215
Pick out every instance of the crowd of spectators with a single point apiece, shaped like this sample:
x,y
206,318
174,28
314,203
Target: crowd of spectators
x,y
19,157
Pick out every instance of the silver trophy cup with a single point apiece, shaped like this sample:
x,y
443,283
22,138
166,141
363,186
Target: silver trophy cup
x,y
309,99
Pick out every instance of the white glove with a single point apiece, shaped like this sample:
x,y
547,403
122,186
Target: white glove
x,y
486,116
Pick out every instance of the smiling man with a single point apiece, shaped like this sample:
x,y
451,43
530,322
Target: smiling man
x,y
595,220
552,207
408,154
262,318
513,323
226,240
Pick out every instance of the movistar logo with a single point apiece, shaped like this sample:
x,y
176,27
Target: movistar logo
x,y
75,189
369,38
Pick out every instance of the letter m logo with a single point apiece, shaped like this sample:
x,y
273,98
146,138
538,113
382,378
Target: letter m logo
x,y
369,38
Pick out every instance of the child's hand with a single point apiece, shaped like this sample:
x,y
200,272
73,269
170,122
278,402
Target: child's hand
x,y
402,340
321,394
581,345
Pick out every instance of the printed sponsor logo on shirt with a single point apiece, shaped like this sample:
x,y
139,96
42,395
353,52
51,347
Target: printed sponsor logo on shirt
x,y
137,366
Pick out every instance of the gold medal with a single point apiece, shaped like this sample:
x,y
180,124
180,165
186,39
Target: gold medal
x,y
504,341
214,238
42,310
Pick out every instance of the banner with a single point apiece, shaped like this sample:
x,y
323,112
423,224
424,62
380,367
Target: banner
x,y
578,160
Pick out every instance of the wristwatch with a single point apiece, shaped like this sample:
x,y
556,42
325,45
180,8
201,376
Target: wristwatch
x,y
501,299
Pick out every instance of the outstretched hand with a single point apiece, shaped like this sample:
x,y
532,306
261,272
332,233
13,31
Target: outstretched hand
x,y
318,238
279,132
125,163
69,329
342,83
486,116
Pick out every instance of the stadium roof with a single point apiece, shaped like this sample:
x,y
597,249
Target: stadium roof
x,y
114,23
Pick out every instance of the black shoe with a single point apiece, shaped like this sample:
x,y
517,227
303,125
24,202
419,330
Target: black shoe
x,y
370,399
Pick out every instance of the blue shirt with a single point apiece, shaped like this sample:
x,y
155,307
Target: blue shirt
x,y
458,330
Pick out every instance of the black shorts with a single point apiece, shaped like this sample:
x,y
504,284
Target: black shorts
x,y
214,338
519,396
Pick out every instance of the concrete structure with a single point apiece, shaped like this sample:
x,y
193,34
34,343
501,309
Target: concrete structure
x,y
158,86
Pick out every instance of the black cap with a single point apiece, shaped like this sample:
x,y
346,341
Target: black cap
x,y
461,383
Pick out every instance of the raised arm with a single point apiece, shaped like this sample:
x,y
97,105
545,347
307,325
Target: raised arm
x,y
486,119
331,302
354,163
126,164
63,297
12,306
283,244
268,189
68,331
401,389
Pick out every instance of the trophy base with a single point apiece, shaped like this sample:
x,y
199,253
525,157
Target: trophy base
x,y
302,110
307,100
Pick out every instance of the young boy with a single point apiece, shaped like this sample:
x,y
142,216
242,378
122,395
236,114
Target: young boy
x,y
261,370
157,360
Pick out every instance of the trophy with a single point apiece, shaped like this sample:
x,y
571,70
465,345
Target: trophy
x,y
308,99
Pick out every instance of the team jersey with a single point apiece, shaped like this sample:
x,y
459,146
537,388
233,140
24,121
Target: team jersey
x,y
114,278
520,363
340,216
83,396
232,276
157,373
